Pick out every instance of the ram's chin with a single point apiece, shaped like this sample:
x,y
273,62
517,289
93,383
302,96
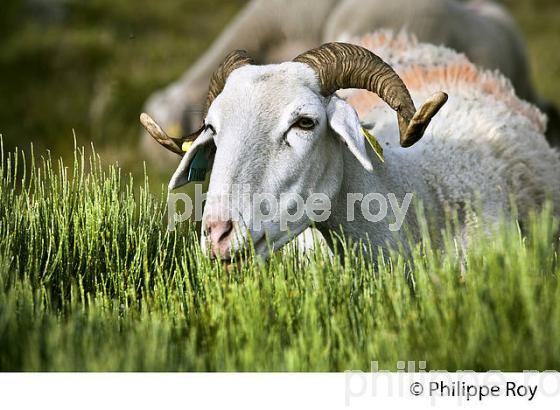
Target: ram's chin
x,y
268,243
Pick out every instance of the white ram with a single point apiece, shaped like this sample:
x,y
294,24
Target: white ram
x,y
280,129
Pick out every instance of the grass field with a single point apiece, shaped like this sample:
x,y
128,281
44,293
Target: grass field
x,y
91,280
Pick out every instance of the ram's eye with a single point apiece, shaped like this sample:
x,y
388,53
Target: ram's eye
x,y
305,123
209,127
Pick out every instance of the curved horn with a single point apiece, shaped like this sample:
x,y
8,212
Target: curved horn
x,y
341,65
157,133
233,60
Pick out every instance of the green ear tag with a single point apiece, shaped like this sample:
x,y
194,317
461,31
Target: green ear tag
x,y
197,174
199,166
374,144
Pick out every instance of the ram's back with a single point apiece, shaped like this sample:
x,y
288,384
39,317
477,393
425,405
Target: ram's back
x,y
485,141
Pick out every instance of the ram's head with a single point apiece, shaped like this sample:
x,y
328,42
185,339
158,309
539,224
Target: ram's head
x,y
279,132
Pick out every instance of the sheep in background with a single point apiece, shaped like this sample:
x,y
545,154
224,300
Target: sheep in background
x,y
277,30
485,146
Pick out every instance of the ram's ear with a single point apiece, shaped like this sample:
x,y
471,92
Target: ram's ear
x,y
195,163
344,121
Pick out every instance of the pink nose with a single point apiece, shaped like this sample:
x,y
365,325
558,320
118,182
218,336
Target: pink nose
x,y
219,234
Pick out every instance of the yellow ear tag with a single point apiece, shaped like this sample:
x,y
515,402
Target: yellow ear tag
x,y
374,144
186,146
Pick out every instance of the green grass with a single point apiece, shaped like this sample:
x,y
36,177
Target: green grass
x,y
91,280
